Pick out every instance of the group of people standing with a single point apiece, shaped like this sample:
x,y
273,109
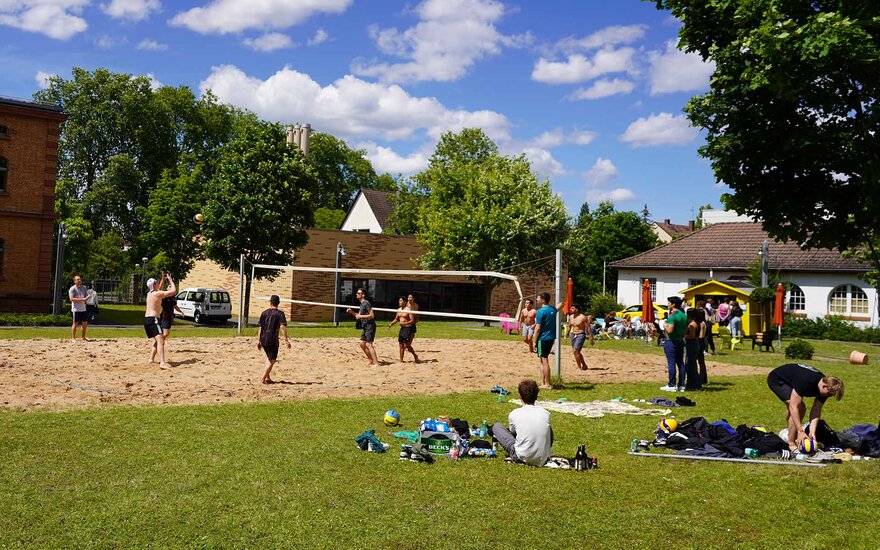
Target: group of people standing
x,y
406,316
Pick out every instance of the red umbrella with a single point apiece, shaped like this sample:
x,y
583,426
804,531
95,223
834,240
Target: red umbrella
x,y
647,303
569,298
780,301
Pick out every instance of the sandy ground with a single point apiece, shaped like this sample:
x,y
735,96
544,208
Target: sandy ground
x,y
59,374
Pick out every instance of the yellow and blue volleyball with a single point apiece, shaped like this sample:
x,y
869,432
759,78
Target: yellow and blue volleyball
x,y
668,424
392,417
809,445
759,428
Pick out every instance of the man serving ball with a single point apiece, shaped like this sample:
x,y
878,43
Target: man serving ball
x,y
793,382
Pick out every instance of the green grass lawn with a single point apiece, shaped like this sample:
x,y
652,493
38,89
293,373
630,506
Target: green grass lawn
x,y
289,475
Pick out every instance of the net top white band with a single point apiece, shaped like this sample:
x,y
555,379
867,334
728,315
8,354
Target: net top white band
x,y
496,274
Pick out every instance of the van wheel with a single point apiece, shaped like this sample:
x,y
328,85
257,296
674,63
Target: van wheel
x,y
197,317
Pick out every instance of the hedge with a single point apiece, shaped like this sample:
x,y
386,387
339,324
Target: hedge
x,y
34,320
829,328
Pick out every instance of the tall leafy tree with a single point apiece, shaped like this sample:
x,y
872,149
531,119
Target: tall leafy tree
x,y
792,115
260,202
602,237
113,200
483,211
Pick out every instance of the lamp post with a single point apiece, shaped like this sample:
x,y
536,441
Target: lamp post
x,y
764,253
59,268
340,252
143,274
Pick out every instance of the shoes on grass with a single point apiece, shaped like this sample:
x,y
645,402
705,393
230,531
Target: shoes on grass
x,y
668,388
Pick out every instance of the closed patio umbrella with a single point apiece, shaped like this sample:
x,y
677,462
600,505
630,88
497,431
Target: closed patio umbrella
x,y
647,303
778,311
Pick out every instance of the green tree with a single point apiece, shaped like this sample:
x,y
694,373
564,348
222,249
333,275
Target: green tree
x,y
605,237
329,218
484,211
260,202
342,171
113,199
698,224
792,114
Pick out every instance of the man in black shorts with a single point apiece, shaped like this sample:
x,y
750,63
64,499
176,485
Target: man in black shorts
x,y
152,315
368,325
272,321
78,295
791,383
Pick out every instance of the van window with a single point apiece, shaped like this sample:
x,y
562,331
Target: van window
x,y
182,296
196,297
219,297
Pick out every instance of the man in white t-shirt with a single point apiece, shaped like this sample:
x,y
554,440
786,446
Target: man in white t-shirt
x,y
78,295
530,437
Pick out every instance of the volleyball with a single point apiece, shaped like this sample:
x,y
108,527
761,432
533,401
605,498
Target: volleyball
x,y
198,218
809,445
668,424
392,418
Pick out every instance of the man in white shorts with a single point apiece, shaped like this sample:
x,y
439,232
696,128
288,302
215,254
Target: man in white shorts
x,y
527,322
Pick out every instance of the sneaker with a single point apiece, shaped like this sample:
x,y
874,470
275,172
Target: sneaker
x,y
680,389
668,388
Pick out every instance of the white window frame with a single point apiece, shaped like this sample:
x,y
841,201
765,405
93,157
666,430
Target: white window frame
x,y
851,296
797,300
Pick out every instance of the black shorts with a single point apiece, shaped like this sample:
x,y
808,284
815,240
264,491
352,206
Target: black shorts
x,y
779,387
80,316
151,327
544,347
413,329
369,332
271,351
166,323
405,335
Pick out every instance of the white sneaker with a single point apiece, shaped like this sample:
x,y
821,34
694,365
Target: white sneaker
x,y
668,388
680,389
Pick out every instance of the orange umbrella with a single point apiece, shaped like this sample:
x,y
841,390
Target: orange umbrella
x,y
569,298
647,303
780,301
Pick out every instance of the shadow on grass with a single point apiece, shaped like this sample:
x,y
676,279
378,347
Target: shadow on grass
x,y
561,385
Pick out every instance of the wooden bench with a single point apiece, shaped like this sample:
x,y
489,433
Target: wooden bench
x,y
764,340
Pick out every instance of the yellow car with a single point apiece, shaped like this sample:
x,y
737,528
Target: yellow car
x,y
660,311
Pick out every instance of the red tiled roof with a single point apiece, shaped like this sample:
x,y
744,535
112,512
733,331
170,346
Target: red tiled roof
x,y
735,246
673,229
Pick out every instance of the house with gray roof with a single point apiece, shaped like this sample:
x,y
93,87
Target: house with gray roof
x,y
369,212
823,282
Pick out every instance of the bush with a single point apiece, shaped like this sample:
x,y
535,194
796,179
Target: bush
x,y
799,349
763,295
601,304
829,328
33,320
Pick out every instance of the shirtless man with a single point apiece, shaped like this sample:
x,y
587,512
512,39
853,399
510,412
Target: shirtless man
x,y
152,323
579,329
413,306
527,322
406,319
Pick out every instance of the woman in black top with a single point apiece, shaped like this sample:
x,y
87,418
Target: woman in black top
x,y
793,382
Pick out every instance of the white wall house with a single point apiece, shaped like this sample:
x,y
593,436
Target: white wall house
x,y
369,212
823,282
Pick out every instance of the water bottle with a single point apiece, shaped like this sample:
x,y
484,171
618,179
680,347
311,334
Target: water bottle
x,y
484,429
634,445
800,456
752,453
454,452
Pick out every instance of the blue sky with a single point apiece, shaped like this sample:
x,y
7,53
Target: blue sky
x,y
590,90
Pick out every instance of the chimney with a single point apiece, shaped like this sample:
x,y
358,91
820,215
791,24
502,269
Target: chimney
x,y
299,135
304,141
691,225
666,221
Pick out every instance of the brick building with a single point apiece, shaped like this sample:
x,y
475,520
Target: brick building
x,y
28,163
368,251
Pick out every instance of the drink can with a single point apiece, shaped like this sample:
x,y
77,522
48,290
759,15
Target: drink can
x,y
634,445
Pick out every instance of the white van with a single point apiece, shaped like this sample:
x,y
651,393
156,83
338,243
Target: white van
x,y
205,304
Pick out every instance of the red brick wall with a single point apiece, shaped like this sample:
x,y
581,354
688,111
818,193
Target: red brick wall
x,y
27,207
362,250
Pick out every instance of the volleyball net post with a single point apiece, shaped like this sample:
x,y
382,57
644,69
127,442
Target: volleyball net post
x,y
557,363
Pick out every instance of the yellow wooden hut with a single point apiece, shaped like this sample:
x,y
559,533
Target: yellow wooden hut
x,y
734,290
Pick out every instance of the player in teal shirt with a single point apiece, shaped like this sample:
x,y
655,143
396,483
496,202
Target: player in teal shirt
x,y
545,335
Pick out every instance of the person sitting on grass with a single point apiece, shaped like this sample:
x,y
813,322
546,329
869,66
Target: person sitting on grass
x,y
529,439
791,383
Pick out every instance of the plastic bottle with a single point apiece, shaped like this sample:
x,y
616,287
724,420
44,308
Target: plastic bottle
x,y
454,452
752,453
800,456
484,429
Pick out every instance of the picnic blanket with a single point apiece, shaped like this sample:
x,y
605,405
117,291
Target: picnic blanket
x,y
596,409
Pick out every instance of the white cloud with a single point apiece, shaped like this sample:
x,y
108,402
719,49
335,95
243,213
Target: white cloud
x,y
57,19
347,107
602,172
676,71
319,37
450,37
555,138
609,36
107,42
269,42
385,159
132,10
152,45
662,129
603,88
228,16
42,79
154,83
543,162
614,195
579,68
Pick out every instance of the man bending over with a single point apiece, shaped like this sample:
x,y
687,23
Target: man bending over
x,y
791,383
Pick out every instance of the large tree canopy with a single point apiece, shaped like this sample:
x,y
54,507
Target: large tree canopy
x,y
482,211
792,116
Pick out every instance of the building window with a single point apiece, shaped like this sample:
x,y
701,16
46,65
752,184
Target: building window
x,y
4,171
796,299
695,282
2,253
652,281
848,300
4,131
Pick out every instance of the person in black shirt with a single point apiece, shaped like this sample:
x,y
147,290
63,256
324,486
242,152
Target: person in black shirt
x,y
367,318
272,321
166,319
793,382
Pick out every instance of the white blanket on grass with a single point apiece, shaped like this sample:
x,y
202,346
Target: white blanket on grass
x,y
596,409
